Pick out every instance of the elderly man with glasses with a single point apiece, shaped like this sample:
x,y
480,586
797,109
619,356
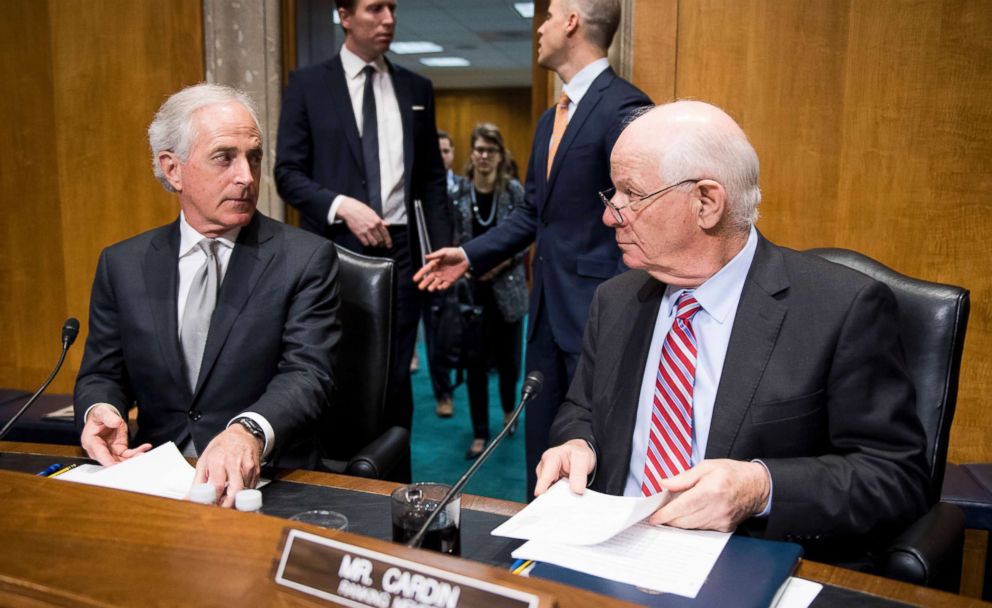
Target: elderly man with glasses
x,y
765,388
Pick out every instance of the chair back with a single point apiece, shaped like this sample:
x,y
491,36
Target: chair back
x,y
933,318
361,370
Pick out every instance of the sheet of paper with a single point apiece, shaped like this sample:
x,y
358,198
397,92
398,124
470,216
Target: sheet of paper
x,y
160,472
560,516
798,593
659,558
63,413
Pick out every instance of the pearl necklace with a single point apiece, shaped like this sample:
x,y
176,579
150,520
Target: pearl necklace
x,y
478,215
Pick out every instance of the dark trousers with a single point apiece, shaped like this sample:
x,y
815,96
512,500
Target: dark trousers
x,y
500,348
399,397
440,375
558,367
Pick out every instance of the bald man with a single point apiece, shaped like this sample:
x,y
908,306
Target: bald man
x,y
765,387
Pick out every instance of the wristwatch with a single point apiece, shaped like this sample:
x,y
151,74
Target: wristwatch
x,y
255,429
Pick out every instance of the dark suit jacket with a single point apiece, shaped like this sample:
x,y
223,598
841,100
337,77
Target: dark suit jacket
x,y
319,152
575,252
269,350
814,384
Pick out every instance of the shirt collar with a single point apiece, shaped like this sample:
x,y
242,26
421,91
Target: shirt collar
x,y
720,293
189,237
580,83
353,64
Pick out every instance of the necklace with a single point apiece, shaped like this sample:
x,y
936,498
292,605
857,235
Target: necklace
x,y
478,216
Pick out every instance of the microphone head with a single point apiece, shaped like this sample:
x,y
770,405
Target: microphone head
x,y
533,384
70,329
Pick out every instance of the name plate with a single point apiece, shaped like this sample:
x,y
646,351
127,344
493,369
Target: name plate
x,y
355,576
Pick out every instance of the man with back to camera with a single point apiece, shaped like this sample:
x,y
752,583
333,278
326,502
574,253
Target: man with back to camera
x,y
220,326
569,164
357,144
765,387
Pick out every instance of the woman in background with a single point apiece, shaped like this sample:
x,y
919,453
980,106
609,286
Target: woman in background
x,y
501,292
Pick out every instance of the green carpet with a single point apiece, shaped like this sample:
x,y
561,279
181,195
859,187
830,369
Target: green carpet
x,y
439,444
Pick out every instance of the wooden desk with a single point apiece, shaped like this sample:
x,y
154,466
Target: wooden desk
x,y
68,544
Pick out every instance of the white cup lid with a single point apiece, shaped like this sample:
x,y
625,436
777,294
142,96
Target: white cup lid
x,y
248,500
203,493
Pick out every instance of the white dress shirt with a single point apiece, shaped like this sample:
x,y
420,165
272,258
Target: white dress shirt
x,y
390,125
718,297
577,87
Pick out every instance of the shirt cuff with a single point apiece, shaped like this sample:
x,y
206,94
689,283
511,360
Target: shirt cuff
x,y
465,255
270,435
771,491
333,211
86,414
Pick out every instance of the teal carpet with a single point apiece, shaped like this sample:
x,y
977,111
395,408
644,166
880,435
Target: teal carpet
x,y
439,444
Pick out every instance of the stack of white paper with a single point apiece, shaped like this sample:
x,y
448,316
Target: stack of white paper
x,y
160,472
600,535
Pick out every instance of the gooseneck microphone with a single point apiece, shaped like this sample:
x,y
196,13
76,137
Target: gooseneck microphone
x,y
70,329
532,386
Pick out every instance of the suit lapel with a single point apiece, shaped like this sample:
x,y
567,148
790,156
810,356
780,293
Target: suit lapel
x,y
337,85
542,138
756,329
629,372
404,98
252,254
586,106
161,270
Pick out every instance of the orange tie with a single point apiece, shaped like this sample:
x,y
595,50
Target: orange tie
x,y
561,121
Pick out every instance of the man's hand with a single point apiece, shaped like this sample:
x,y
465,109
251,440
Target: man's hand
x,y
230,463
715,495
364,223
443,267
104,436
573,459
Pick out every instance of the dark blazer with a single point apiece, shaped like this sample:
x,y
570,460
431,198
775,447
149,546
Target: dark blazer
x,y
270,347
814,384
319,152
510,285
575,252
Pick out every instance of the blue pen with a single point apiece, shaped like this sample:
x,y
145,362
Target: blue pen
x,y
49,470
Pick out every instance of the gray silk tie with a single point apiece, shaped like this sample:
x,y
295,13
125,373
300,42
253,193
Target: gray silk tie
x,y
199,308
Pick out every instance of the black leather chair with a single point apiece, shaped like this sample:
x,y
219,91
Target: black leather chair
x,y
933,318
356,439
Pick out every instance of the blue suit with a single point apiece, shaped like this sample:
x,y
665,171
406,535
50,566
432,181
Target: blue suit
x,y
319,156
575,251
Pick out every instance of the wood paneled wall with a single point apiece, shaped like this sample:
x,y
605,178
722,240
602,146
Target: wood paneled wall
x,y
82,80
874,130
459,110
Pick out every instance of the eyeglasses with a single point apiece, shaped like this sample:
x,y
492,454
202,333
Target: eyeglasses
x,y
606,195
486,150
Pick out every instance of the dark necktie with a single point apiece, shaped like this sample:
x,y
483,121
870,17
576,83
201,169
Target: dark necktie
x,y
370,144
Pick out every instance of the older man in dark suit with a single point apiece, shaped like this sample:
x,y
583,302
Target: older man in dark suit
x,y
357,145
569,164
765,387
221,326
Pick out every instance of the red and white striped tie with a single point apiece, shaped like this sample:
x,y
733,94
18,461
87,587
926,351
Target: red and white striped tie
x,y
670,441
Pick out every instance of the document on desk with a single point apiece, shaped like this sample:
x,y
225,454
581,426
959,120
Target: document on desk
x,y
160,472
659,558
561,516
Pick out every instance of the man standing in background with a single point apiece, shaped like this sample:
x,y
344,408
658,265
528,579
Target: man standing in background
x,y
440,374
569,164
357,145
